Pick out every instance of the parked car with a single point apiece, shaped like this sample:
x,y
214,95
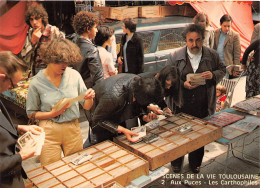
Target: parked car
x,y
160,37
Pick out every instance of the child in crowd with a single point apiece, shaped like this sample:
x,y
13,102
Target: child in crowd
x,y
221,97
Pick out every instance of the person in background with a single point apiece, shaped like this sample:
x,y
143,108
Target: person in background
x,y
256,33
221,97
234,71
227,42
197,100
85,24
11,171
40,32
102,40
131,55
47,88
203,19
253,69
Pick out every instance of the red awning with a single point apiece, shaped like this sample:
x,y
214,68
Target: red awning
x,y
13,28
240,11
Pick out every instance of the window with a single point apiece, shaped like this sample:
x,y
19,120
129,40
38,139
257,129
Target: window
x,y
171,38
147,38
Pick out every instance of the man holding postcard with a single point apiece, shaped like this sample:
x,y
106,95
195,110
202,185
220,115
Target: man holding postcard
x,y
11,171
200,70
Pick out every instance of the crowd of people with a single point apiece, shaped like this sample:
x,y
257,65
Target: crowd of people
x,y
112,94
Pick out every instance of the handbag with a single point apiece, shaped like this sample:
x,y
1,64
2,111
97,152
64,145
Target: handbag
x,y
32,120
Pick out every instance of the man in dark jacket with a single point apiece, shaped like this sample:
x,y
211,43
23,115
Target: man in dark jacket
x,y
197,100
122,97
85,24
11,171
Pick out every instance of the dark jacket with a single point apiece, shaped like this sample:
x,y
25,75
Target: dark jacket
x,y
255,46
11,170
90,68
211,62
114,102
134,54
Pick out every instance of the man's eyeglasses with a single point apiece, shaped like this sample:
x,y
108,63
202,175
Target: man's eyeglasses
x,y
11,81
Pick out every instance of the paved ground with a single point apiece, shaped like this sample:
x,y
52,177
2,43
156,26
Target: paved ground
x,y
214,161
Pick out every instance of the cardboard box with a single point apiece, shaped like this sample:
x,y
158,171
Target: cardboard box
x,y
120,13
104,11
187,10
169,11
173,144
109,163
149,11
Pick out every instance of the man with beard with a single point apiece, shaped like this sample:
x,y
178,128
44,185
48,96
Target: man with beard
x,y
39,33
120,98
197,100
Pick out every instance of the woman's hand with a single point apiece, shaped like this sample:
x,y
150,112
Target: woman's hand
x,y
167,110
119,60
32,128
149,117
127,133
90,94
55,113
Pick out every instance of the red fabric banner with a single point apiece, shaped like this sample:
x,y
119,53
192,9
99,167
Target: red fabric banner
x,y
240,12
13,28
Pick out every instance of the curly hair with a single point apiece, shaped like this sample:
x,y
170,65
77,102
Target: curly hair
x,y
60,51
199,16
147,90
103,34
193,28
38,11
130,24
84,21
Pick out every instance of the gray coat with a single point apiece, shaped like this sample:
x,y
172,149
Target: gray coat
x,y
211,61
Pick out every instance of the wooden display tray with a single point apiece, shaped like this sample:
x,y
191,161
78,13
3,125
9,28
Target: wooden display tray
x,y
171,144
109,163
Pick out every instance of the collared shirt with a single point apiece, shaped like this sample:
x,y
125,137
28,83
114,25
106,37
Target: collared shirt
x,y
43,95
29,54
194,59
107,61
221,43
124,48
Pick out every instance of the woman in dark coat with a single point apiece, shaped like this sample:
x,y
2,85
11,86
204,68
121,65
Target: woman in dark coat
x,y
253,69
131,55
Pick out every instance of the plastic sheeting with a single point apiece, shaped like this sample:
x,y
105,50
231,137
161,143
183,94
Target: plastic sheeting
x,y
13,28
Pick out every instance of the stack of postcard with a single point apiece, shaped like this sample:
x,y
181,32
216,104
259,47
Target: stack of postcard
x,y
196,79
31,140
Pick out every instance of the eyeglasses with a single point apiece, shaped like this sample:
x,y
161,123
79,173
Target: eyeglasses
x,y
11,81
